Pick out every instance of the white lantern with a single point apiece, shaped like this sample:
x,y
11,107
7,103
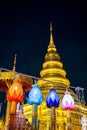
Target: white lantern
x,y
67,101
84,122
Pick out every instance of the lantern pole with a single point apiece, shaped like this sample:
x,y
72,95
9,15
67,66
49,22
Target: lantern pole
x,y
34,117
53,118
69,120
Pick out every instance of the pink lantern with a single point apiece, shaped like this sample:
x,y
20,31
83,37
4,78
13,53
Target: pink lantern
x,y
68,104
67,101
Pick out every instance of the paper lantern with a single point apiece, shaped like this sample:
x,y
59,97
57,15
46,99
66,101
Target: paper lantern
x,y
67,101
15,94
52,99
35,95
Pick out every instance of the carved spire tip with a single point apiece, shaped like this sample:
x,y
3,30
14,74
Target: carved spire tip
x,y
51,36
50,26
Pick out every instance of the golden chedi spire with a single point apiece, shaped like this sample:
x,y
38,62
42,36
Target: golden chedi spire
x,y
51,44
52,66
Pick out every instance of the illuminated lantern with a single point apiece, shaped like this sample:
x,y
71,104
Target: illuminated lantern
x,y
84,122
35,95
15,94
67,101
52,101
68,104
35,98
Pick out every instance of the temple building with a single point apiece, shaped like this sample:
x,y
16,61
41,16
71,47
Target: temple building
x,y
52,71
51,75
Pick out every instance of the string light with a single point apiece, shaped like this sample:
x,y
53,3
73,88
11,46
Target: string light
x,y
53,83
76,88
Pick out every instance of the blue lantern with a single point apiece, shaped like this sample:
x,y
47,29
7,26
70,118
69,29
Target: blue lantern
x,y
52,99
35,95
35,99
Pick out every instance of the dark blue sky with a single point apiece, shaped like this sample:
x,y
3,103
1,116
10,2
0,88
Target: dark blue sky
x,y
24,29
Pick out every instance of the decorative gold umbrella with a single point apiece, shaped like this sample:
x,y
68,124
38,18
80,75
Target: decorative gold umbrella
x,y
6,79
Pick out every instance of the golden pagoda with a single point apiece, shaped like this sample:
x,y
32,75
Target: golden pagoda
x,y
53,75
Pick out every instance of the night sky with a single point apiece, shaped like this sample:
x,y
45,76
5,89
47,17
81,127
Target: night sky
x,y
24,30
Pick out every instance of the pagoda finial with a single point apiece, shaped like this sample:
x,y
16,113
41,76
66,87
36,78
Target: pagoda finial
x,y
50,26
51,36
14,67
